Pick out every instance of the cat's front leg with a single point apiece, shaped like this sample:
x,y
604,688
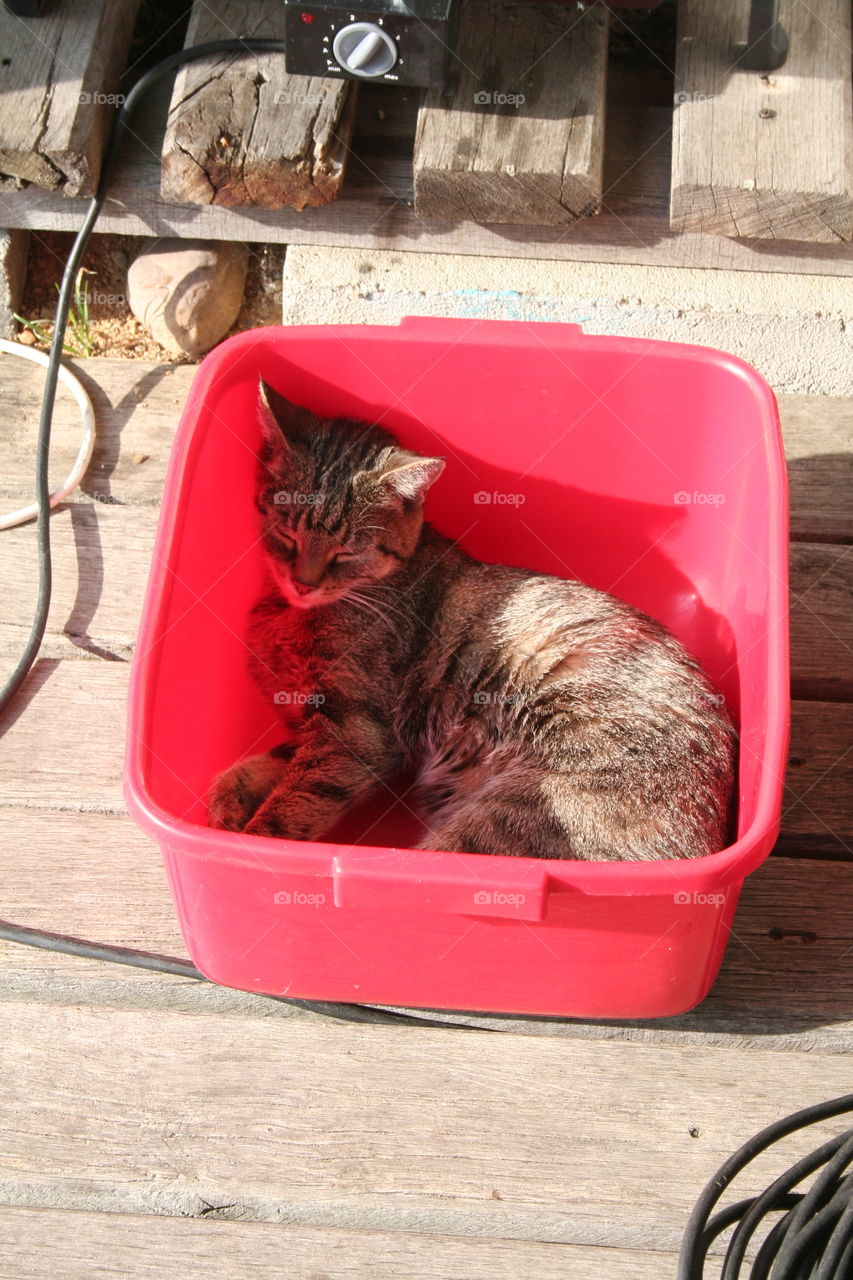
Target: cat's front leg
x,y
237,793
335,767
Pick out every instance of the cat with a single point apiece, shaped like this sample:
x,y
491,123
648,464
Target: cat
x,y
545,718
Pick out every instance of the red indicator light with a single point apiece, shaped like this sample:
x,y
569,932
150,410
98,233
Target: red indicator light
x,y
306,17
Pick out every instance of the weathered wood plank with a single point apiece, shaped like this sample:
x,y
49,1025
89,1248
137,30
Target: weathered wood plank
x,y
137,405
101,558
816,813
375,209
818,435
786,973
61,71
41,1243
242,132
520,137
334,1126
766,156
821,622
61,740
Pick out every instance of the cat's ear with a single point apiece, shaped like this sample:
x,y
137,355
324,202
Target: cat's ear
x,y
403,476
283,424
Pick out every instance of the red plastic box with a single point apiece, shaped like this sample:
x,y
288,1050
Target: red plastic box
x,y
651,470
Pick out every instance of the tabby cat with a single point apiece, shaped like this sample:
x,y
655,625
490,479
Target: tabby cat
x,y
543,717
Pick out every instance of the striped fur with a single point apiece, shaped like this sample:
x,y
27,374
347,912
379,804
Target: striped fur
x,y
543,717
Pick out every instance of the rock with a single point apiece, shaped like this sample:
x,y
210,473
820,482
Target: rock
x,y
187,293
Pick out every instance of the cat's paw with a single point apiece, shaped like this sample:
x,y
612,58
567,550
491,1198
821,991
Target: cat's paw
x,y
238,793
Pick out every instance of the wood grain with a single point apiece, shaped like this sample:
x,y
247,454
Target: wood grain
x,y
816,812
62,739
242,132
375,207
61,71
340,1126
767,156
137,405
822,622
818,436
38,1242
101,559
520,137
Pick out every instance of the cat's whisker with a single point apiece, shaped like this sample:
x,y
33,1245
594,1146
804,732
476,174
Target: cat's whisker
x,y
393,606
359,600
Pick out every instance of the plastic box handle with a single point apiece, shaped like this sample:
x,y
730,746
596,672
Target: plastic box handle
x,y
404,880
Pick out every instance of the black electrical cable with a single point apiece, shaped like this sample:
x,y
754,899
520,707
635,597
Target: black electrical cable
x,y
813,1240
777,1196
69,946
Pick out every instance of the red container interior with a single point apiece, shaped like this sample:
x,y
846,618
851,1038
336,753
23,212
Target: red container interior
x,y
650,470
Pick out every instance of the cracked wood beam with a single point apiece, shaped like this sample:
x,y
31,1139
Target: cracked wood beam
x,y
766,156
59,74
519,138
242,132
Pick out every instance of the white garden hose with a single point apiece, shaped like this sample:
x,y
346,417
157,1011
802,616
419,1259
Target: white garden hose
x,y
87,444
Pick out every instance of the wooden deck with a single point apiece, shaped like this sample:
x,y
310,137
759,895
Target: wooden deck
x,y
157,1127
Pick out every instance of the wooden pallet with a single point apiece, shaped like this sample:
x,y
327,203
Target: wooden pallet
x,y
59,75
569,158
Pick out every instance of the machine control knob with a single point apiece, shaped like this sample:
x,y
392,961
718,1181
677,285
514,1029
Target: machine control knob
x,y
364,49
